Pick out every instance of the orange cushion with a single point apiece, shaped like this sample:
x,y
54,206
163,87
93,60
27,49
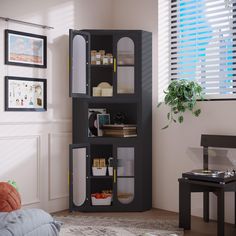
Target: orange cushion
x,y
9,198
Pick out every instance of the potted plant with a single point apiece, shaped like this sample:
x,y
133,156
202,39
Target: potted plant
x,y
181,96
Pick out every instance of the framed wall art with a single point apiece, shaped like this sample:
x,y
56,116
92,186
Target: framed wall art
x,y
25,94
25,49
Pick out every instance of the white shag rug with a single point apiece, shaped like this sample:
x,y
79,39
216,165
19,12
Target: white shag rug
x,y
112,226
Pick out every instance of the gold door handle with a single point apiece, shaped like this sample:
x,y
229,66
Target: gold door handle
x,y
114,65
114,176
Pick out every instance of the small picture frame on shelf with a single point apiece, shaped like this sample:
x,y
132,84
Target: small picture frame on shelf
x,y
25,94
102,119
25,49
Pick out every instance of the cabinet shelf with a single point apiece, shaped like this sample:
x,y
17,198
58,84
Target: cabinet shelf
x,y
101,177
125,65
114,99
125,177
104,140
108,137
102,66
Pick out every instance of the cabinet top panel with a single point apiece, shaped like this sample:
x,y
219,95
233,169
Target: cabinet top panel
x,y
102,31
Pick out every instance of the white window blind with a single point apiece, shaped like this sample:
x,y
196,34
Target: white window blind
x,y
203,44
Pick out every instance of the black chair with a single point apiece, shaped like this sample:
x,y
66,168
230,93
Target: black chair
x,y
188,185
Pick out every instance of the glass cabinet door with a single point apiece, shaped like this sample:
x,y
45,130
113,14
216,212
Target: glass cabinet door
x,y
125,66
78,178
79,62
125,174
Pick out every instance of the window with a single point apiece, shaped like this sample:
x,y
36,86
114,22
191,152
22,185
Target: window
x,y
203,44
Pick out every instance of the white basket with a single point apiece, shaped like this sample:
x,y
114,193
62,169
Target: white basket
x,y
99,171
110,171
101,201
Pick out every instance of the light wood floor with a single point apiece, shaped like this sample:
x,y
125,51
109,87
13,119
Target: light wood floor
x,y
199,227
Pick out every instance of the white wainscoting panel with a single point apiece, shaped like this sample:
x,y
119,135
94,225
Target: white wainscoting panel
x,y
59,165
20,161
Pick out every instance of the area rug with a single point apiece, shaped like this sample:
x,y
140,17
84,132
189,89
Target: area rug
x,y
112,226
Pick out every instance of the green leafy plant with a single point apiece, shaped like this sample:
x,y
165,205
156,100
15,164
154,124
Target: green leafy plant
x,y
181,96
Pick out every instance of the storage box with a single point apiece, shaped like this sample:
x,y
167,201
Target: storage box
x,y
97,91
99,171
101,201
106,92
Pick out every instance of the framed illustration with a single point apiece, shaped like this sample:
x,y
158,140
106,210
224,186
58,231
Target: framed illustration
x,y
25,94
24,49
102,119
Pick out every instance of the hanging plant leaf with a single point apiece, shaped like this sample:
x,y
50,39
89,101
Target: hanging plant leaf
x,y
165,127
197,112
180,119
168,115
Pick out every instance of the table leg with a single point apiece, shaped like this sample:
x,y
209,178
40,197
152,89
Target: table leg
x,y
234,209
184,205
206,206
220,212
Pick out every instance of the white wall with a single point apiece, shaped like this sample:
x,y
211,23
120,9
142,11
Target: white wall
x,y
176,149
34,145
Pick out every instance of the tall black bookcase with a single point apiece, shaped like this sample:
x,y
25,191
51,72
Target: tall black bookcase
x,y
115,81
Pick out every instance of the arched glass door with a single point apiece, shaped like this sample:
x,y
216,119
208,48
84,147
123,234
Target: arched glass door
x,y
125,66
125,174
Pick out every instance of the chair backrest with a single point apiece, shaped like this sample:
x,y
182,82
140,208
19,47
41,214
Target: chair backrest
x,y
221,141
224,141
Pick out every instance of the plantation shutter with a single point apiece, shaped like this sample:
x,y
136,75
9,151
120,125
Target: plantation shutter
x,y
203,44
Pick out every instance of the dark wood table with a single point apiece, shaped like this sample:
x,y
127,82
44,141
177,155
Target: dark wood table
x,y
187,186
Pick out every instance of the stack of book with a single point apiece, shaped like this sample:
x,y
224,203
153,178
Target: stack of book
x,y
122,130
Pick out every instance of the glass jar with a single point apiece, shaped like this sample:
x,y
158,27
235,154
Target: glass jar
x,y
105,60
98,58
93,57
110,58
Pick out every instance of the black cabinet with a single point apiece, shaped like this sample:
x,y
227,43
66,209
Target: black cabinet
x,y
111,83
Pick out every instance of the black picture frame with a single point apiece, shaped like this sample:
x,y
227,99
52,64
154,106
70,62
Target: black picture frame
x,y
23,96
25,49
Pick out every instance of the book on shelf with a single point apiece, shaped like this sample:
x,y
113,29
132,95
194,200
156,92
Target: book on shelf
x,y
119,126
119,135
120,132
108,131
